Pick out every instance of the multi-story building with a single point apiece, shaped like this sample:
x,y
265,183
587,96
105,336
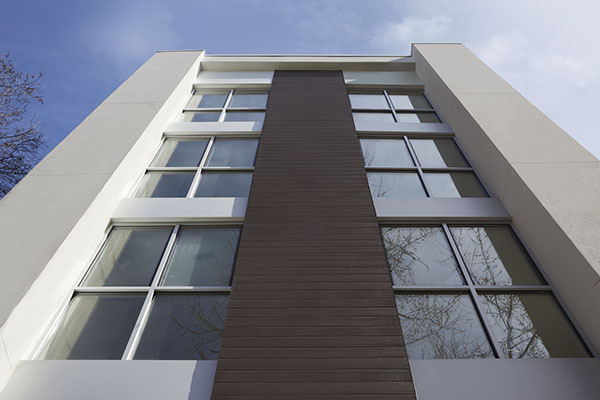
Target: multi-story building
x,y
305,227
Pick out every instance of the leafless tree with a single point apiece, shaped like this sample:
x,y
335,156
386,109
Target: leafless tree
x,y
20,136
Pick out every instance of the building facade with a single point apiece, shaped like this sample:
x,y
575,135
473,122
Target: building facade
x,y
305,227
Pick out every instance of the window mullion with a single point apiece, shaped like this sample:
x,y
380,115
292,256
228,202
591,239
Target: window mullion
x,y
390,104
203,161
474,296
224,110
136,333
418,165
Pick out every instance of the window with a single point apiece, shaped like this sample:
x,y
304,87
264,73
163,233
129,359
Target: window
x,y
473,292
151,293
226,105
202,167
390,106
411,168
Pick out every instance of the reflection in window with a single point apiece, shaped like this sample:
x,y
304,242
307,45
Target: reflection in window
x,y
249,100
165,184
250,116
454,184
180,153
417,117
493,256
129,257
438,153
420,256
395,184
531,326
369,101
386,153
232,153
201,116
208,99
202,257
410,102
441,327
95,327
184,327
361,117
224,184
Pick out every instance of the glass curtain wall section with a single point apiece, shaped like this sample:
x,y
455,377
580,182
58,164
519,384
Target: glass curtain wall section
x,y
410,167
152,292
218,105
472,291
391,106
201,167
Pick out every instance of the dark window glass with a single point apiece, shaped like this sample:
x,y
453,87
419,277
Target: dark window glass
x,y
201,116
395,184
410,102
180,153
232,153
417,117
165,184
493,256
531,326
251,116
202,257
386,153
224,184
249,100
454,184
369,101
434,153
208,99
360,117
441,326
420,256
95,327
183,327
129,257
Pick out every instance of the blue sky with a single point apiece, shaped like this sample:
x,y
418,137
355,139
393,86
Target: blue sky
x,y
546,49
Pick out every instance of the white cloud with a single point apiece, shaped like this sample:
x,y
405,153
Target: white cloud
x,y
501,49
128,36
397,37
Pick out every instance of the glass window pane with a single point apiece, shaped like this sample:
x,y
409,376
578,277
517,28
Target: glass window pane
x,y
214,99
386,153
454,184
201,116
441,327
202,257
129,257
224,184
420,256
95,327
233,153
417,117
365,117
253,116
369,101
493,256
410,102
180,153
435,153
395,184
531,326
183,327
165,184
249,100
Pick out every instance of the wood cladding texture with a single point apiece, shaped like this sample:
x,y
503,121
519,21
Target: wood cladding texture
x,y
311,313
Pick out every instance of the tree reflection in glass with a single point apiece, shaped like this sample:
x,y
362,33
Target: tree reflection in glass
x,y
441,326
531,326
493,256
420,256
184,327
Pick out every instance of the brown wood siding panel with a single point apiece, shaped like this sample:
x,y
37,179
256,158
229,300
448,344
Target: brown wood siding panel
x,y
311,313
